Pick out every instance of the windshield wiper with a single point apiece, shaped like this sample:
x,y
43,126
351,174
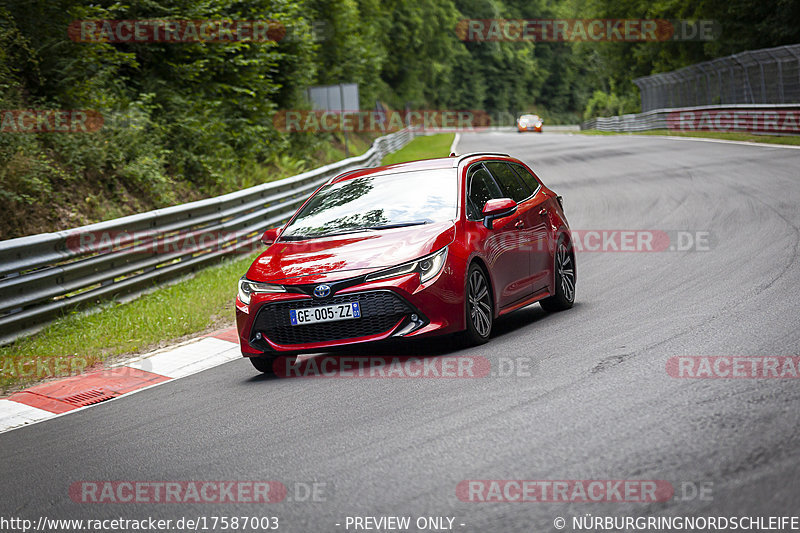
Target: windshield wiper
x,y
354,230
376,228
397,225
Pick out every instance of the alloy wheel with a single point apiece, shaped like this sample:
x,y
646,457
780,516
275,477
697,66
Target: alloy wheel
x,y
480,306
566,272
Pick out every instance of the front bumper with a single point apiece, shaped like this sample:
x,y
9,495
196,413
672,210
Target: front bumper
x,y
396,307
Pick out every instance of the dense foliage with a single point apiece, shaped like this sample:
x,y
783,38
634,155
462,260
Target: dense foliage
x,y
192,119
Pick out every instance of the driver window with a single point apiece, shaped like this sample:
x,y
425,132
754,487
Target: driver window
x,y
481,189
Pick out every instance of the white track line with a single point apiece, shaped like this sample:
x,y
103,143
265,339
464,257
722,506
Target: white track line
x,y
724,141
709,140
455,143
14,414
189,358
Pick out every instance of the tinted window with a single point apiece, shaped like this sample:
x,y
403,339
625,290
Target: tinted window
x,y
373,202
526,176
512,186
481,189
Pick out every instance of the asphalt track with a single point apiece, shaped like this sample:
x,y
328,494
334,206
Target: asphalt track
x,y
598,403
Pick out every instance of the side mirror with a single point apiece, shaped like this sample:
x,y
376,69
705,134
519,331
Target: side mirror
x,y
497,208
270,236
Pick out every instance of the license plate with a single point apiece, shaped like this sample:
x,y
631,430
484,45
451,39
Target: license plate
x,y
325,313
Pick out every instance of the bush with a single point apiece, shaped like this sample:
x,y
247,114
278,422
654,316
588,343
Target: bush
x,y
602,104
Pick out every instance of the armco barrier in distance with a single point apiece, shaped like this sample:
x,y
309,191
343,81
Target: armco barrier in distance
x,y
769,119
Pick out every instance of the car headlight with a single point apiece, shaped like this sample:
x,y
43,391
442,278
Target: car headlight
x,y
247,288
427,267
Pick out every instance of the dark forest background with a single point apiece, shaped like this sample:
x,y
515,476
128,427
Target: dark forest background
x,y
188,120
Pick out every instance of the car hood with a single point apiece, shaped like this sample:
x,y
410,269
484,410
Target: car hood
x,y
346,256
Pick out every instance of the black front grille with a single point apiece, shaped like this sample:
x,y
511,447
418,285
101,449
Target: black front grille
x,y
380,310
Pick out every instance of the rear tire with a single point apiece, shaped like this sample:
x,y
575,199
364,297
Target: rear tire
x,y
263,364
564,263
479,308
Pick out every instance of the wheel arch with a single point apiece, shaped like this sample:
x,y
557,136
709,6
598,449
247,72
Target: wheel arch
x,y
477,260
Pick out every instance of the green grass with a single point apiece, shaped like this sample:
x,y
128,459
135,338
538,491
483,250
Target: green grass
x,y
728,136
74,342
422,148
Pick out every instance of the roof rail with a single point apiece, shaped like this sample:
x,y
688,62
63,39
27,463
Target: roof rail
x,y
460,158
345,173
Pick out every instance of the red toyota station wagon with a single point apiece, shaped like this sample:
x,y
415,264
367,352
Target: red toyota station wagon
x,y
404,251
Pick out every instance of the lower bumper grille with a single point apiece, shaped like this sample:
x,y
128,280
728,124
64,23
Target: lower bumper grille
x,y
380,310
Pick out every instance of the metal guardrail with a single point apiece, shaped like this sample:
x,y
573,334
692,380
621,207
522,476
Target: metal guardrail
x,y
766,76
41,276
652,120
767,119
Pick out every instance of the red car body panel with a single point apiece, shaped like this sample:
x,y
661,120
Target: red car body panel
x,y
517,254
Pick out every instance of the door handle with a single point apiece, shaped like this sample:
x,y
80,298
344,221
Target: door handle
x,y
543,211
519,224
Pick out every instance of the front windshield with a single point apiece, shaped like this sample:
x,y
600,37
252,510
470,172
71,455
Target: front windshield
x,y
377,202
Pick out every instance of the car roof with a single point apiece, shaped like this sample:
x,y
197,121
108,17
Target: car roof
x,y
422,164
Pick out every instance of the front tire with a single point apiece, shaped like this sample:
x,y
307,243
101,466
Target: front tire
x,y
564,296
263,364
479,307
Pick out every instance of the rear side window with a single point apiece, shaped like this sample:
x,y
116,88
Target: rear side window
x,y
512,185
481,189
529,179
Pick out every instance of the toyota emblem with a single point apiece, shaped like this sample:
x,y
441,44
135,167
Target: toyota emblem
x,y
322,291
